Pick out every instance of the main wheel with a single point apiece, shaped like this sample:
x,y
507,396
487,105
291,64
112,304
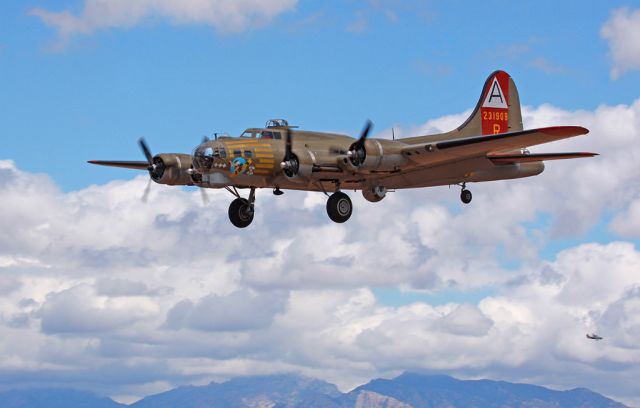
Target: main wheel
x,y
240,213
339,207
466,196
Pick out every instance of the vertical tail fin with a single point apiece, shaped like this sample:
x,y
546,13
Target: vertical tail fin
x,y
497,111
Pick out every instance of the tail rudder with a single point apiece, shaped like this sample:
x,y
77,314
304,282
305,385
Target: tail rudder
x,y
497,110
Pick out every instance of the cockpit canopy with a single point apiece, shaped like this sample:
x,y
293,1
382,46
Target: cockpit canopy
x,y
277,123
273,130
262,134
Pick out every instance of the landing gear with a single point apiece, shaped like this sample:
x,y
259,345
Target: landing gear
x,y
465,195
240,213
339,207
241,209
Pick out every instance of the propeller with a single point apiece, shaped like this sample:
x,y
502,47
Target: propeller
x,y
290,163
357,152
156,170
156,165
203,192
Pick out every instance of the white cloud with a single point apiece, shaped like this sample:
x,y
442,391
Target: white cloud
x,y
167,293
622,32
226,16
80,310
627,223
237,311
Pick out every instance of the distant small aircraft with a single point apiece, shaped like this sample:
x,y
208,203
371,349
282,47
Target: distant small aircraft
x,y
594,336
490,145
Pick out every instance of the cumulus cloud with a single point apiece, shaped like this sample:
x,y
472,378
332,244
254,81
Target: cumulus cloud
x,y
95,281
622,32
226,16
80,310
237,311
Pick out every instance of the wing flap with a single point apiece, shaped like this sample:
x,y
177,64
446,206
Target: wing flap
x,y
526,158
135,165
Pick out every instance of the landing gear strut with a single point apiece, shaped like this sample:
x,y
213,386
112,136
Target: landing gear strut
x,y
241,209
465,195
339,207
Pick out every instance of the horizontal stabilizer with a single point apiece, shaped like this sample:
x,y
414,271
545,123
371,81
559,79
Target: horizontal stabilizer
x,y
525,158
136,165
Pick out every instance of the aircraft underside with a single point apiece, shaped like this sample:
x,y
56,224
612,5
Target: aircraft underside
x,y
374,188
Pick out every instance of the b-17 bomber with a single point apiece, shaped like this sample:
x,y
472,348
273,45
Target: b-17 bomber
x,y
490,145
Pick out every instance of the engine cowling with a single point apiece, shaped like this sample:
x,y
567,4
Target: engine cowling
x,y
377,155
300,167
172,169
374,193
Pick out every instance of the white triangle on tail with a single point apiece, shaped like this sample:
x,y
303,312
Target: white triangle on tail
x,y
495,97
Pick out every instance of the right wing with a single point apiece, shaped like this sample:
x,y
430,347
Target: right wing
x,y
526,158
433,152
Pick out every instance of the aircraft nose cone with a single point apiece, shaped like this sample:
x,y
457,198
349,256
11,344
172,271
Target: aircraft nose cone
x,y
203,158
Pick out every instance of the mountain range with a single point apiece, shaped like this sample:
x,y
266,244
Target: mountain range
x,y
295,391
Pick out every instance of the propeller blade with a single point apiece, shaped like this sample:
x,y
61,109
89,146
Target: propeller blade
x,y
204,196
288,146
145,196
146,151
365,132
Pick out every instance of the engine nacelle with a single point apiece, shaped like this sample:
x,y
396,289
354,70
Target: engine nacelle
x,y
302,170
172,169
380,155
374,193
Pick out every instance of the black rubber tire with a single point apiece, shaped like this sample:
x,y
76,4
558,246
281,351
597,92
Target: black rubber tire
x,y
466,196
240,214
339,207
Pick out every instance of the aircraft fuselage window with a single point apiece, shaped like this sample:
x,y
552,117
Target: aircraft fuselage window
x,y
223,153
237,153
248,154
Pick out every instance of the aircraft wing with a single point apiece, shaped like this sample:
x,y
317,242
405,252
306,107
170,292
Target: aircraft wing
x,y
431,152
136,165
525,158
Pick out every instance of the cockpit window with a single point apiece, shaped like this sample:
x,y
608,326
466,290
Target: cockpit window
x,y
248,133
267,134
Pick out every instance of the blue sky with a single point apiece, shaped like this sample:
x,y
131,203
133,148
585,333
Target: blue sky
x,y
325,66
166,294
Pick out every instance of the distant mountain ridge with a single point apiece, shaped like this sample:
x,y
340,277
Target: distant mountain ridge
x,y
408,390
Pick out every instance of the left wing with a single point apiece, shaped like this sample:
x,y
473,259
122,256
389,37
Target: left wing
x,y
135,165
